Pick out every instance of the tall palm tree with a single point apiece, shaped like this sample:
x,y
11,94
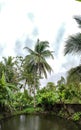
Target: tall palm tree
x,y
36,61
37,58
73,43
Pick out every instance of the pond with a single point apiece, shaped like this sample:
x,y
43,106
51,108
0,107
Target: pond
x,y
37,122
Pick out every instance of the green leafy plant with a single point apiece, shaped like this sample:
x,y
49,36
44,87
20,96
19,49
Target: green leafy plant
x,y
76,116
78,0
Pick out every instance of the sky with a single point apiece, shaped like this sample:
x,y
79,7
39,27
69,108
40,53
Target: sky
x,y
22,22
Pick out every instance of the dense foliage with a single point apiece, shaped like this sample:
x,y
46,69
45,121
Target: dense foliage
x,y
20,80
14,96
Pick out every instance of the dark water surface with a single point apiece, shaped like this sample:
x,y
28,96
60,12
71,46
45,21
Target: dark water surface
x,y
37,122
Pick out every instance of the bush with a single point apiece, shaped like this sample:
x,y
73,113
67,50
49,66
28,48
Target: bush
x,y
47,99
76,116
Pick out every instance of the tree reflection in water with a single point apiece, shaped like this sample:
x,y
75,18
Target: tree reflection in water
x,y
36,122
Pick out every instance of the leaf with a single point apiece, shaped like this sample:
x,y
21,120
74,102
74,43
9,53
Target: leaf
x,y
2,80
78,0
11,86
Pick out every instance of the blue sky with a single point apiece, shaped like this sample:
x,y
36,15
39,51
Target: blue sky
x,y
23,21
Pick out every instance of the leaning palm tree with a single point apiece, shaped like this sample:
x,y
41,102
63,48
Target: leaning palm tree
x,y
73,43
36,60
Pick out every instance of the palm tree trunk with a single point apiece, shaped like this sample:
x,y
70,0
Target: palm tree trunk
x,y
34,93
34,87
24,86
34,99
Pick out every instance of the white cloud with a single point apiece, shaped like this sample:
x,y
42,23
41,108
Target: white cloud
x,y
47,16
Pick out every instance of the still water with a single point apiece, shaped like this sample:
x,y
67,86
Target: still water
x,y
36,122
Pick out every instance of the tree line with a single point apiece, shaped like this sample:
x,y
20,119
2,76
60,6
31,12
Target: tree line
x,y
17,73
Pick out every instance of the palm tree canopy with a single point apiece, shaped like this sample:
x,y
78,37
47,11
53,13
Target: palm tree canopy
x,y
8,61
37,57
73,44
74,75
41,49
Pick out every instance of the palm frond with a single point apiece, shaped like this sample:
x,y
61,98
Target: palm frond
x,y
78,20
74,74
43,71
47,66
76,70
29,50
47,54
73,44
41,46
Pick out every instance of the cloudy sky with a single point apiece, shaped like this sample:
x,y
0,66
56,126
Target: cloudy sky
x,y
23,21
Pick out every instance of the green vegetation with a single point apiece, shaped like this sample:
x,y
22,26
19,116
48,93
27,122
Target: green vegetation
x,y
76,116
15,99
20,90
78,0
20,79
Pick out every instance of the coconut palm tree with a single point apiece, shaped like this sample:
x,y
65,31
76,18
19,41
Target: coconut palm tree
x,y
36,61
37,58
73,43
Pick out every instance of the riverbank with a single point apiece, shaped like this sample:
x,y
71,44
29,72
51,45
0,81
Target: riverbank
x,y
69,111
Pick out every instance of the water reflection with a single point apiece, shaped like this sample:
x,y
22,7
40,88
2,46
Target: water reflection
x,y
0,126
35,122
